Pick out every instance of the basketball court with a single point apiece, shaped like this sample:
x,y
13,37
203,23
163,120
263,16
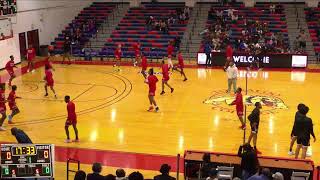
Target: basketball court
x,y
112,111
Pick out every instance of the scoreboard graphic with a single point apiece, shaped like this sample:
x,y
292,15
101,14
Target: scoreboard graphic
x,y
27,161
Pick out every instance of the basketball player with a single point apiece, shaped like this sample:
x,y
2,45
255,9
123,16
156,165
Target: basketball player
x,y
47,63
254,119
152,82
294,128
71,119
137,53
180,65
165,77
117,54
239,107
170,50
305,129
2,105
12,104
9,67
31,54
144,66
49,81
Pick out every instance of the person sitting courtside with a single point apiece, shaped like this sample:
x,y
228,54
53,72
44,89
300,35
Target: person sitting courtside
x,y
164,170
96,169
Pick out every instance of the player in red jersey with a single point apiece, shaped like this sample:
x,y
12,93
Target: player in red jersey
x,y
180,65
165,77
12,103
137,53
117,55
31,54
239,107
71,119
49,81
2,105
152,82
170,50
9,67
144,66
47,63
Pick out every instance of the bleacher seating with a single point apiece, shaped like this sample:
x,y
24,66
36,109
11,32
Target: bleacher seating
x,y
97,11
313,14
132,29
276,22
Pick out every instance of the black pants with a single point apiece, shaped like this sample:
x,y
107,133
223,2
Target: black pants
x,y
208,61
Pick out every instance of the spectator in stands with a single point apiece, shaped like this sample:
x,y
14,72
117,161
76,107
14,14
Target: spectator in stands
x,y
302,40
206,165
207,50
2,36
164,170
277,176
305,129
135,176
186,12
20,136
80,175
96,169
264,175
121,174
213,174
249,161
230,12
272,8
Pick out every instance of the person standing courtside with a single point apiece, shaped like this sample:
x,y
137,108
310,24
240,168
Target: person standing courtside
x,y
305,129
294,131
207,50
66,49
232,73
254,119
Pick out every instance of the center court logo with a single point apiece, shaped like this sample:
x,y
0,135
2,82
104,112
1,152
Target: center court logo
x,y
270,101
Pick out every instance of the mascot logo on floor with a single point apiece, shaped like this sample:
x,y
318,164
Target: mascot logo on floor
x,y
270,101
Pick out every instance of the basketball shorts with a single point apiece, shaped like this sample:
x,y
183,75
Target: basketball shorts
x,y
303,141
69,123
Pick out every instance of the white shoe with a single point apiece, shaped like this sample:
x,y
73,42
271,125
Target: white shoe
x,y
67,141
2,128
28,70
309,153
290,153
32,70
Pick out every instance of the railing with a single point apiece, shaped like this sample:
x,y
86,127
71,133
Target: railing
x,y
68,170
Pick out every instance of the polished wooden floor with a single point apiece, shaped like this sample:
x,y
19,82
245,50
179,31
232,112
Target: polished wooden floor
x,y
196,116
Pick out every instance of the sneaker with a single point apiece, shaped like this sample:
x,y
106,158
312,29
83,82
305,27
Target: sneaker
x,y
172,90
76,140
10,122
290,153
309,153
227,91
258,152
185,79
162,93
2,128
28,70
157,109
243,127
46,95
32,71
55,96
150,108
67,141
